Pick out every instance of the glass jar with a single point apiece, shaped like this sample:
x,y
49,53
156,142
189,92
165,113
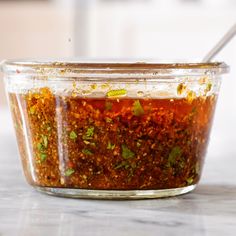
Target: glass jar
x,y
112,130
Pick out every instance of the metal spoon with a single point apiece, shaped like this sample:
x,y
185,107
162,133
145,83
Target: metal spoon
x,y
218,47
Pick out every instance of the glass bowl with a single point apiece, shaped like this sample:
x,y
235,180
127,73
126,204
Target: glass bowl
x,y
112,130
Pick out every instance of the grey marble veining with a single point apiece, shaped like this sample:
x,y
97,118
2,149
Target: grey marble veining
x,y
209,210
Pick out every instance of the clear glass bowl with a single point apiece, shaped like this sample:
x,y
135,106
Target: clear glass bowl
x,y
112,130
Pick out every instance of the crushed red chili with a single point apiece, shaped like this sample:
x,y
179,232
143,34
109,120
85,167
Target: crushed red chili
x,y
109,143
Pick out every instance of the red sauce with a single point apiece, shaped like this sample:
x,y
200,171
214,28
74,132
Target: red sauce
x,y
119,144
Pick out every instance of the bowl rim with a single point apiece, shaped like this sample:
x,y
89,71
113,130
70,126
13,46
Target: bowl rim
x,y
82,68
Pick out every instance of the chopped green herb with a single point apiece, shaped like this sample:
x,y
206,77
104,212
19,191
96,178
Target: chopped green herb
x,y
139,143
46,126
190,180
49,128
122,164
137,108
86,142
116,93
40,146
43,156
127,166
126,152
197,168
110,146
208,87
45,141
73,135
175,152
69,172
89,133
87,152
108,105
32,110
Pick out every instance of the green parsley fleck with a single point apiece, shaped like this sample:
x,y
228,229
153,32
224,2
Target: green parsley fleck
x,y
87,152
43,156
175,152
89,133
116,93
208,87
126,152
137,108
121,165
49,128
139,143
40,146
110,146
45,141
69,172
86,142
190,180
32,110
197,168
73,135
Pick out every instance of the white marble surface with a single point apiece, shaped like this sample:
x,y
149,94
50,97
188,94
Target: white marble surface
x,y
209,210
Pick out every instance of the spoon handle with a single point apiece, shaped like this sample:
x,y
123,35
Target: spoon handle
x,y
217,48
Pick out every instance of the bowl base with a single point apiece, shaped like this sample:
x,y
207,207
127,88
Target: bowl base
x,y
114,194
